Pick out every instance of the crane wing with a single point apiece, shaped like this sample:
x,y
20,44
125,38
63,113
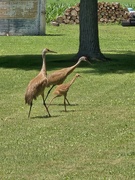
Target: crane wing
x,y
57,77
36,86
61,89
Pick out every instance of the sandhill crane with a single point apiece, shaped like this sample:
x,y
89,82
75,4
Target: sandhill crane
x,y
62,90
59,76
37,85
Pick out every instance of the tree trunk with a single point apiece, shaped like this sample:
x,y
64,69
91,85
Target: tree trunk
x,y
88,39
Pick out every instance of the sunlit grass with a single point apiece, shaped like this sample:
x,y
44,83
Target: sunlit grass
x,y
95,139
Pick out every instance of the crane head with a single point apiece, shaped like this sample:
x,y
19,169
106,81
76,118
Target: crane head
x,y
46,50
78,75
84,58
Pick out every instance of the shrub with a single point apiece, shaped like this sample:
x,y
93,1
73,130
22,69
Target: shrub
x,y
54,10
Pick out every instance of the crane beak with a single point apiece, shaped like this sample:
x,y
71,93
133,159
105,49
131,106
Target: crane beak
x,y
52,51
88,61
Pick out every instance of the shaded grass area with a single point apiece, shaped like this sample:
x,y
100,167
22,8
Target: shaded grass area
x,y
119,63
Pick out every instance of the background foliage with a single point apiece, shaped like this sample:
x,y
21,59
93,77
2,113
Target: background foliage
x,y
56,8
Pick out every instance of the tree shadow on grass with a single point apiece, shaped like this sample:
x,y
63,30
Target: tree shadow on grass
x,y
55,35
121,62
31,62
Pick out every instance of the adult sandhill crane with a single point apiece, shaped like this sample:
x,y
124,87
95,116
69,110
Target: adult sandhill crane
x,y
37,85
62,90
59,76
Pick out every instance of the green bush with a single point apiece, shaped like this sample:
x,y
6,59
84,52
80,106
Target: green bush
x,y
54,10
129,5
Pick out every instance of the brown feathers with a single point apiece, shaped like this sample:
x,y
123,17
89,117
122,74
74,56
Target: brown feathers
x,y
37,85
59,76
62,90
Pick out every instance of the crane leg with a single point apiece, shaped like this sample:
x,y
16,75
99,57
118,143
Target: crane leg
x,y
45,106
30,110
65,103
49,92
52,100
47,109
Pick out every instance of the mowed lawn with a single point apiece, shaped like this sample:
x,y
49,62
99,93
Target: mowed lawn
x,y
95,138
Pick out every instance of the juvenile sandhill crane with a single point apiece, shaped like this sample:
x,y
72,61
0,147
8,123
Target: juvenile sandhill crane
x,y
62,90
59,76
37,85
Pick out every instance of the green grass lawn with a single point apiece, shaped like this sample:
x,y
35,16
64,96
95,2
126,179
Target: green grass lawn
x,y
95,139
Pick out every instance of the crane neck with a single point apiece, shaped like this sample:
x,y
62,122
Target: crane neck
x,y
78,62
70,69
72,81
43,69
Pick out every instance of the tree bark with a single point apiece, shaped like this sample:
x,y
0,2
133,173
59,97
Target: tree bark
x,y
89,39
